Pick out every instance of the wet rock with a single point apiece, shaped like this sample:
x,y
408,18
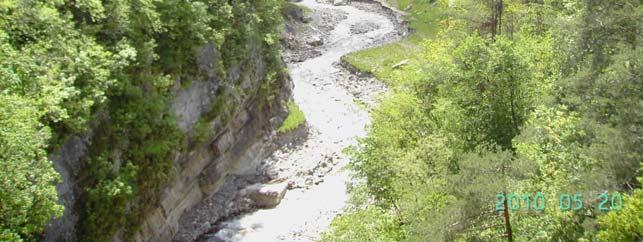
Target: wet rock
x,y
266,195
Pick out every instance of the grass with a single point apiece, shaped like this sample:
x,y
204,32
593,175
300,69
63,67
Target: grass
x,y
379,61
423,17
295,118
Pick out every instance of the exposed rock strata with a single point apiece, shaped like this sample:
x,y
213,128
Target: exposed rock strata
x,y
234,140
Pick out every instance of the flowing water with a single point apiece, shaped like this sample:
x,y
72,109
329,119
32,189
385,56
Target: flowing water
x,y
335,122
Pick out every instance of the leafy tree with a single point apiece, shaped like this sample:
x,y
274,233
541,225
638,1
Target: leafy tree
x,y
27,193
395,131
517,96
482,175
492,87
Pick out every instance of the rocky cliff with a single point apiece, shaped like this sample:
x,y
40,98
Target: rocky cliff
x,y
249,102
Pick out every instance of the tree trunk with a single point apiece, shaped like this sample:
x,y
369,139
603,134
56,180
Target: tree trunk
x,y
499,8
508,232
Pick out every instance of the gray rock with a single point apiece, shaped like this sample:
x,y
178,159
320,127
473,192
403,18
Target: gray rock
x,y
266,195
189,103
363,27
67,161
316,41
241,119
225,142
197,171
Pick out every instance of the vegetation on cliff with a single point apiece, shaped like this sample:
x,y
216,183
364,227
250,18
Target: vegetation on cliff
x,y
505,97
295,118
69,65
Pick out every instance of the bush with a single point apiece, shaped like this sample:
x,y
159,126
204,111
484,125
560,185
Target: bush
x,y
625,224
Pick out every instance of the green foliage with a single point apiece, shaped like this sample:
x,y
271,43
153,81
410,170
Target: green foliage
x,y
363,222
379,61
217,106
65,63
531,97
482,175
108,199
394,126
34,63
491,82
27,195
626,224
370,224
140,123
295,118
554,142
148,138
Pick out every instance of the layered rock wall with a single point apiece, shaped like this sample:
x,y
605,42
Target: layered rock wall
x,y
251,107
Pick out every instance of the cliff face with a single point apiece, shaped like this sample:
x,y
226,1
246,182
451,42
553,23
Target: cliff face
x,y
249,102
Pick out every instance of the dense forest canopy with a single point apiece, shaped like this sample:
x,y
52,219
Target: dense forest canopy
x,y
66,66
508,97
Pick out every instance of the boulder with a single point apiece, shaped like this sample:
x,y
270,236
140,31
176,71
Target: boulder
x,y
266,195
